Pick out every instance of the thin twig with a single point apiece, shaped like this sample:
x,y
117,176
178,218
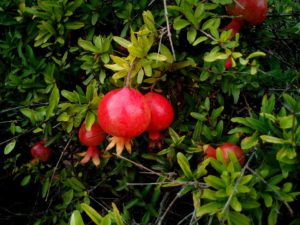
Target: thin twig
x,y
168,209
192,183
129,73
185,218
207,35
56,166
162,205
139,165
273,189
169,29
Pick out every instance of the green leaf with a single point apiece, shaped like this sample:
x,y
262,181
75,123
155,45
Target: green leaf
x,y
287,122
239,219
179,23
88,46
116,215
149,20
210,208
53,101
122,41
199,40
92,213
271,139
273,215
68,197
249,142
45,187
214,182
191,35
213,56
76,218
26,180
89,120
256,54
184,165
10,146
74,25
156,57
235,204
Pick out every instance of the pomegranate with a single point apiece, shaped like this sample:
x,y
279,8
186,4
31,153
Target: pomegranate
x,y
209,151
91,138
40,151
225,148
162,115
124,114
251,11
228,63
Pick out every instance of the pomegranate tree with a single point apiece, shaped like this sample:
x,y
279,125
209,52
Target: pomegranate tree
x,y
162,115
225,148
124,114
40,151
91,138
252,12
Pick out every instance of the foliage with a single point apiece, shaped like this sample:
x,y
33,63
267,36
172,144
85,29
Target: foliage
x,y
58,59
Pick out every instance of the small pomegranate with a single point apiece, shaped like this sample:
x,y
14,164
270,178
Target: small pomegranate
x,y
162,115
209,151
228,63
40,151
91,138
252,12
124,114
225,148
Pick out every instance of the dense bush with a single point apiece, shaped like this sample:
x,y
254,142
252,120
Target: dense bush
x,y
60,57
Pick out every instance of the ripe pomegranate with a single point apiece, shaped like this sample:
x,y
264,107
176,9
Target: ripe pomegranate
x,y
225,148
209,151
91,138
162,115
228,63
124,114
252,12
40,151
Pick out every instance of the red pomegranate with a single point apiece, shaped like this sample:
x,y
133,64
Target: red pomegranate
x,y
225,148
124,114
228,63
162,115
40,151
91,138
252,12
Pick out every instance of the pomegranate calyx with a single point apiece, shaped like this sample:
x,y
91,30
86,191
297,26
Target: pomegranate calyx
x,y
92,153
120,143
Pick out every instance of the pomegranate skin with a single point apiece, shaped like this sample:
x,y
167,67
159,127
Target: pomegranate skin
x,y
226,147
228,63
41,152
209,151
124,113
91,137
162,114
252,11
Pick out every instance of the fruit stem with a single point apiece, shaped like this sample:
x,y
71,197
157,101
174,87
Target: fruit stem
x,y
129,73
